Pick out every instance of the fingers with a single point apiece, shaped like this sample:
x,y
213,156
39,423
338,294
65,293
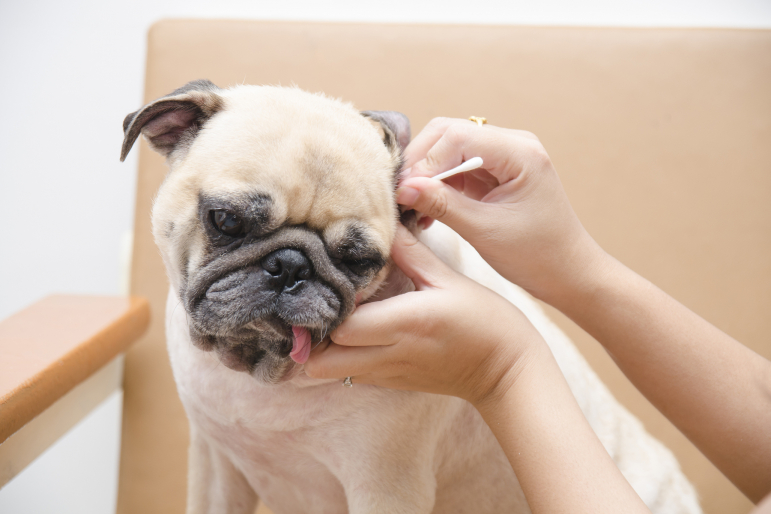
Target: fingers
x,y
382,323
436,129
507,154
431,133
343,361
417,261
441,202
504,153
372,340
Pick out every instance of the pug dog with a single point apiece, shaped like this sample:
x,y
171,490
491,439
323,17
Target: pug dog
x,y
274,222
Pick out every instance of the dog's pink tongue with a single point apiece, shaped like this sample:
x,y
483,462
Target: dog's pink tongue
x,y
301,347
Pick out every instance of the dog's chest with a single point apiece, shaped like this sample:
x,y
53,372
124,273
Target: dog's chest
x,y
215,394
278,436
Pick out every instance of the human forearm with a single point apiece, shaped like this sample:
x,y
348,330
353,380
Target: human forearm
x,y
560,462
715,390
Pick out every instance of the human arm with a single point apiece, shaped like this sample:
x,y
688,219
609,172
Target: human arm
x,y
714,389
494,358
516,214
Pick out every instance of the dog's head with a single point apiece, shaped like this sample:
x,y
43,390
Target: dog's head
x,y
277,216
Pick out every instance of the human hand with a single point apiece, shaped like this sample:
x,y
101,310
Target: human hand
x,y
514,211
451,336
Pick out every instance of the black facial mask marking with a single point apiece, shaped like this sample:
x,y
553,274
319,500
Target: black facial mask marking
x,y
355,256
248,216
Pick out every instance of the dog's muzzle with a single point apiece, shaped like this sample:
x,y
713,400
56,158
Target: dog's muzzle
x,y
267,300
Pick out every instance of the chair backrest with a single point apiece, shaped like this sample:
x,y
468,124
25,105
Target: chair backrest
x,y
662,138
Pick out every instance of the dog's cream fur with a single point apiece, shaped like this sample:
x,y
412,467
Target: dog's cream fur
x,y
312,446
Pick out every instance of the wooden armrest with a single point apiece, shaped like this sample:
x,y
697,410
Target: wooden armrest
x,y
57,343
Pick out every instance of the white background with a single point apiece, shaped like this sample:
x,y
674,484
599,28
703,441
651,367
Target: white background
x,y
69,73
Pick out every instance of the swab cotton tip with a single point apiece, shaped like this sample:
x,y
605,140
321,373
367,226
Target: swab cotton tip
x,y
471,164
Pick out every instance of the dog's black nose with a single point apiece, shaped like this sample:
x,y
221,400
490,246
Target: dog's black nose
x,y
287,268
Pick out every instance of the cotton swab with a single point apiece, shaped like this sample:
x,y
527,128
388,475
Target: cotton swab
x,y
471,164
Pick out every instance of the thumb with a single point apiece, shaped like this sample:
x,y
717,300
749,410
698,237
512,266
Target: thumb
x,y
437,200
417,261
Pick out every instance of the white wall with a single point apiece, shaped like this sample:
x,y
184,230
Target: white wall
x,y
69,73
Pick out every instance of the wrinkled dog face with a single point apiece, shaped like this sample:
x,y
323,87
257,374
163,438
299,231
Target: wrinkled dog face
x,y
277,215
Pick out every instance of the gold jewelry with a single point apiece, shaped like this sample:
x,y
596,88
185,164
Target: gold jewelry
x,y
347,382
479,120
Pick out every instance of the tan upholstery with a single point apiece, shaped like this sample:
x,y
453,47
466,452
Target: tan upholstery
x,y
662,139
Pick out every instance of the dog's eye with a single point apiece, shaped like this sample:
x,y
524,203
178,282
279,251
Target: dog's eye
x,y
227,223
360,266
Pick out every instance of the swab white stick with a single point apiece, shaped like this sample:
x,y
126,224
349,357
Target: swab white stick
x,y
471,164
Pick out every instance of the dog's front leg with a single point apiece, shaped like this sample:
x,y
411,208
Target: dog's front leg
x,y
214,485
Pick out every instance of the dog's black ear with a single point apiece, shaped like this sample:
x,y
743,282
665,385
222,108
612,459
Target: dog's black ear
x,y
172,119
394,126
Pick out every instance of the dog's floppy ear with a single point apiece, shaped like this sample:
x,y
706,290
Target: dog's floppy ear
x,y
394,127
172,119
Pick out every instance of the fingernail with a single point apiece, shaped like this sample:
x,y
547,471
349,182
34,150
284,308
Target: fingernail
x,y
406,196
